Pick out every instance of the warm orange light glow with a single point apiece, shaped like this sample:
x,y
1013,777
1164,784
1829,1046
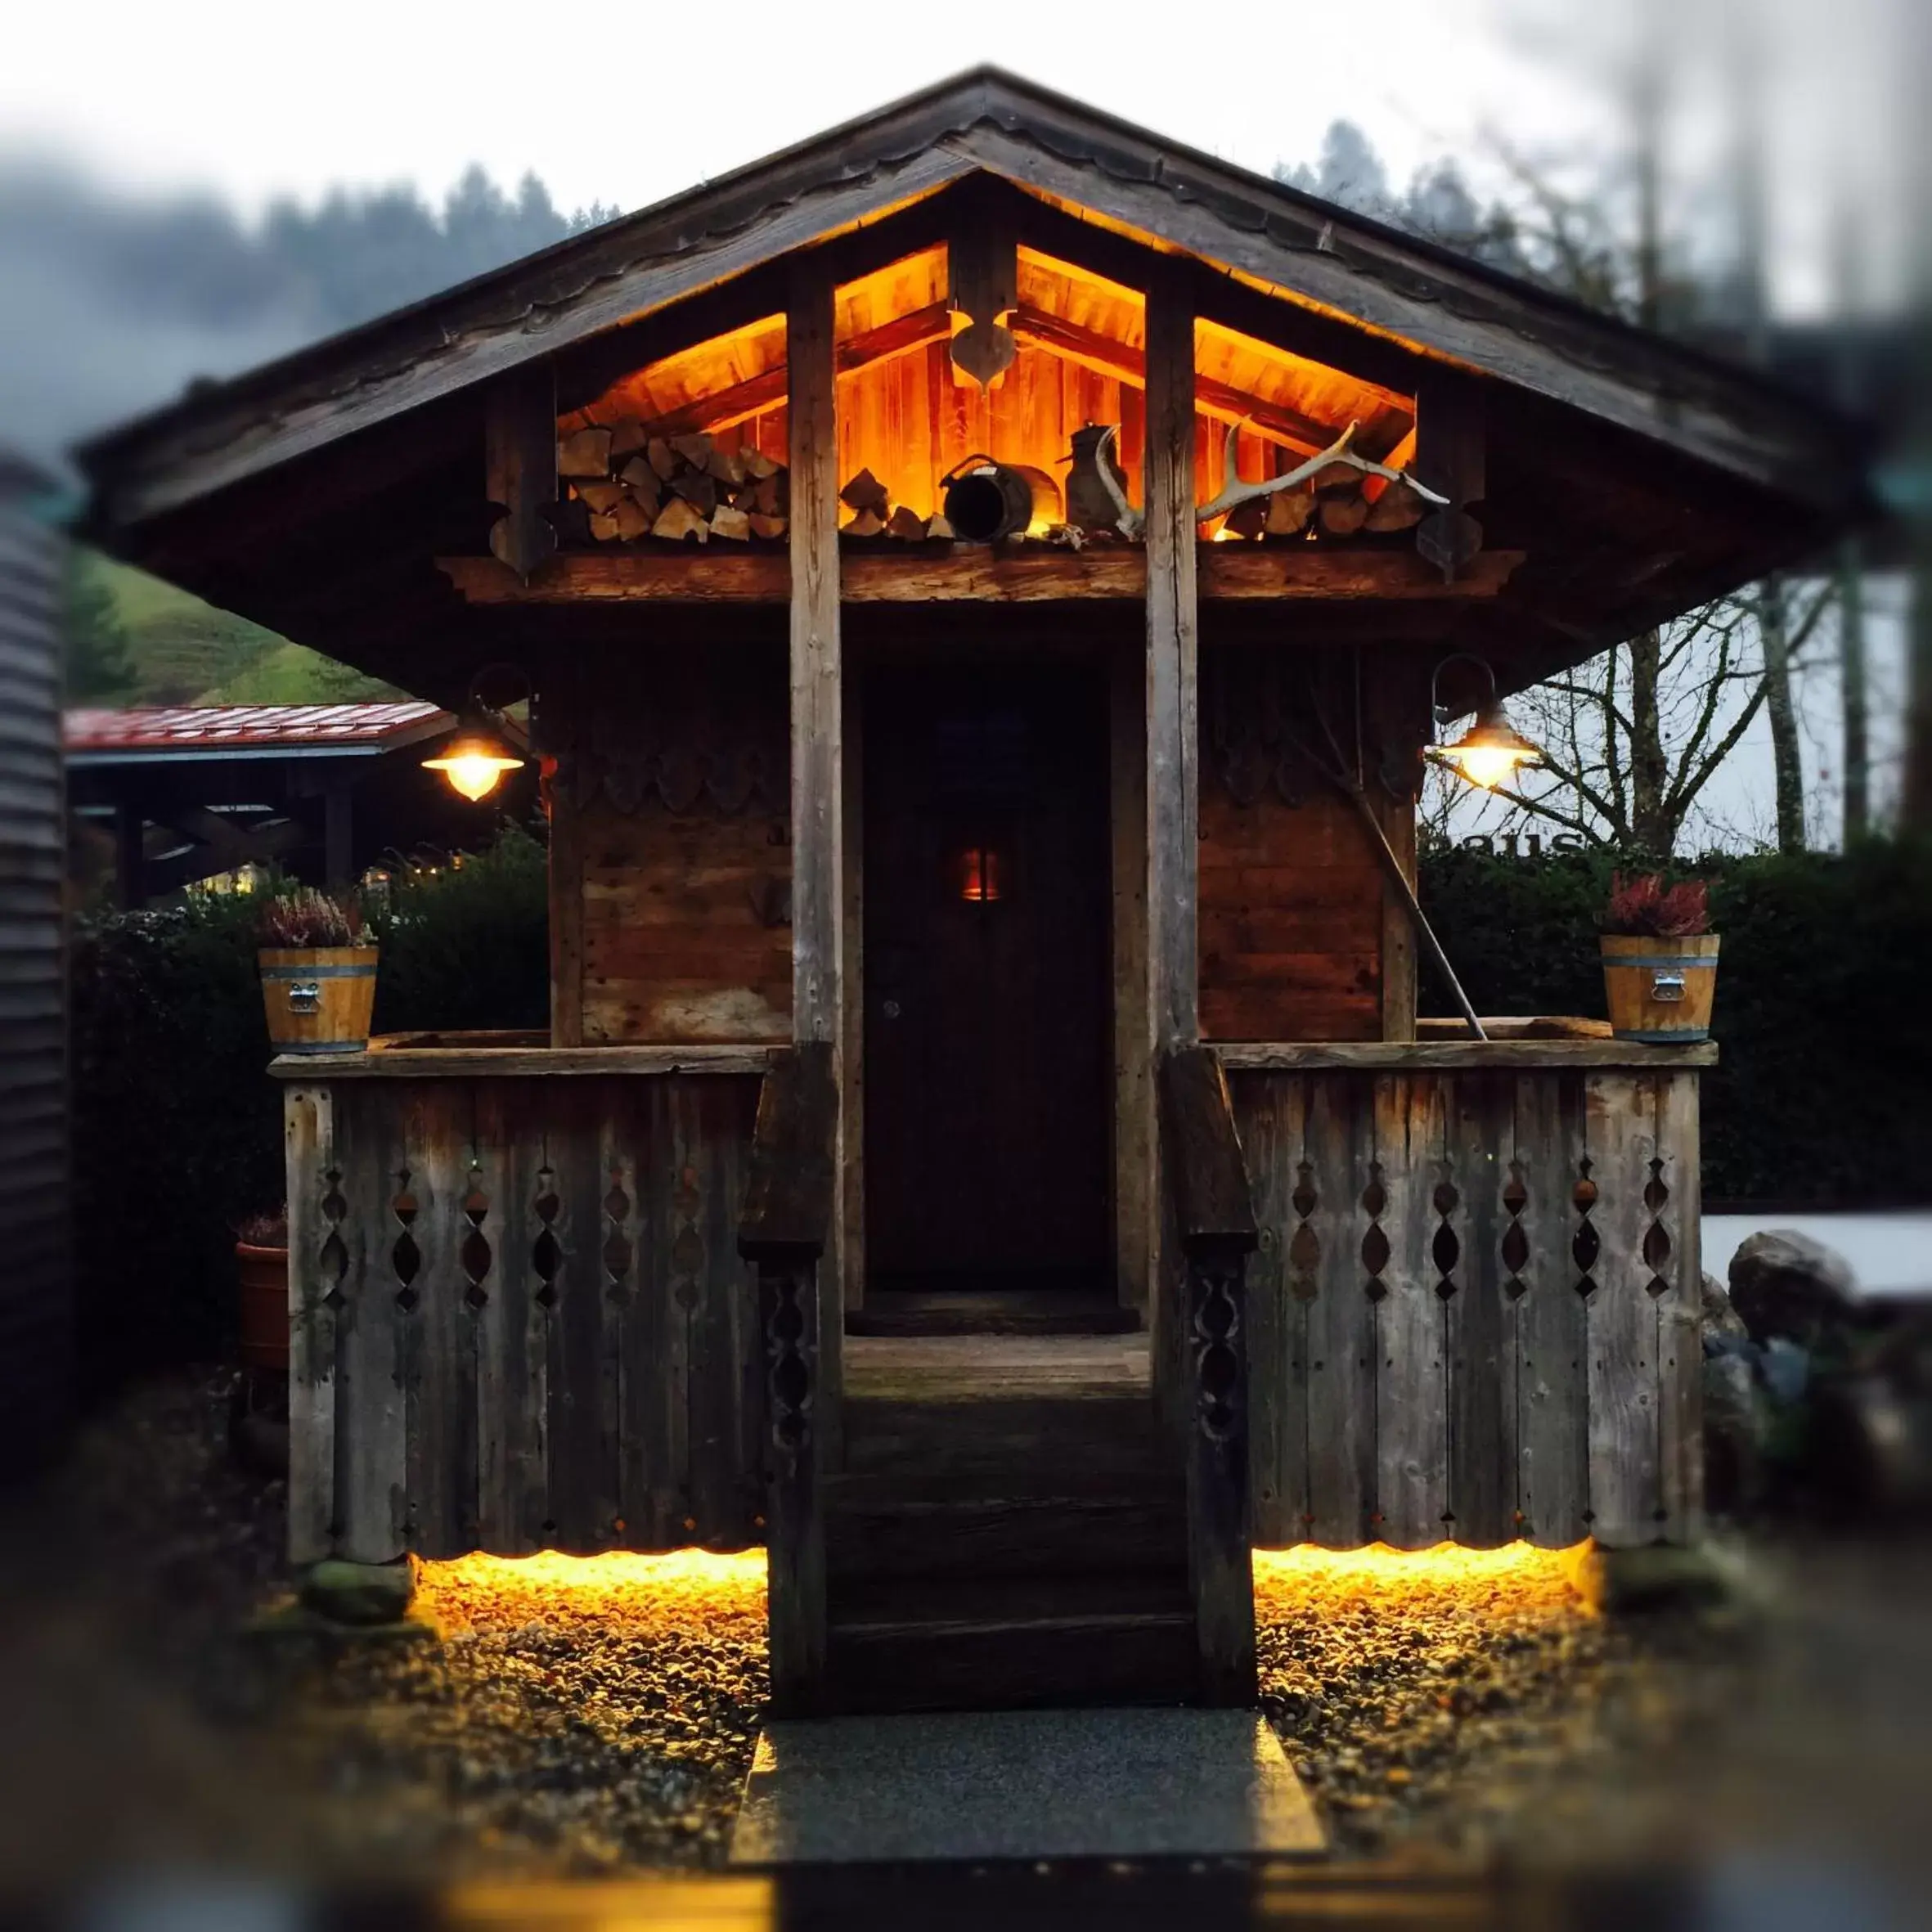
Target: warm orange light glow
x,y
473,773
1491,752
687,1586
980,881
1560,1579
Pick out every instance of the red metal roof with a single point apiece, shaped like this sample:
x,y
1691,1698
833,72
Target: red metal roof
x,y
269,727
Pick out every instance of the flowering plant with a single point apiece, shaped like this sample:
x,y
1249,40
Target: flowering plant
x,y
1644,907
304,917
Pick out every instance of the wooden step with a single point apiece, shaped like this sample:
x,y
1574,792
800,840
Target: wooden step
x,y
889,1312
1000,1643
1100,1436
870,1532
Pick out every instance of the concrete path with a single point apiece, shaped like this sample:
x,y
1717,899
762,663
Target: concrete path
x,y
1047,1784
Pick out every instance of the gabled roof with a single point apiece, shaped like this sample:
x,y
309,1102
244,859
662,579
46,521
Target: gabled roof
x,y
181,731
1272,239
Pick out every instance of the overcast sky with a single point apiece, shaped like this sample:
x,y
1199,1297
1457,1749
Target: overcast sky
x,y
626,105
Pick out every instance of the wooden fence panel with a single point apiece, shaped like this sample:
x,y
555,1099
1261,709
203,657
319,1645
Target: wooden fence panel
x,y
316,1261
1620,1137
1552,1385
1409,1179
1341,1341
1676,1251
1481,1290
1270,1114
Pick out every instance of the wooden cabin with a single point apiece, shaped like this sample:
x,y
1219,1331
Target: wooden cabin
x,y
985,1145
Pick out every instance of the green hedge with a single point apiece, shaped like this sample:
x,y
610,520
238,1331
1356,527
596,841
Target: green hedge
x,y
1820,1011
178,1131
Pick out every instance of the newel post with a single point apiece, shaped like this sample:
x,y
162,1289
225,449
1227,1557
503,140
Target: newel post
x,y
782,1231
1215,1221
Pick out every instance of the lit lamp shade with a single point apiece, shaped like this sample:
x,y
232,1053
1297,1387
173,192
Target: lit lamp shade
x,y
1491,752
475,759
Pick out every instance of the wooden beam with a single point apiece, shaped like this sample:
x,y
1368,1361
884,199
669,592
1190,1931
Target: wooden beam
x,y
1226,572
520,464
1173,642
1394,1056
1219,400
767,390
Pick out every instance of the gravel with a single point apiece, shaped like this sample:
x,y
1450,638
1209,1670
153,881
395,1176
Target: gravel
x,y
609,1726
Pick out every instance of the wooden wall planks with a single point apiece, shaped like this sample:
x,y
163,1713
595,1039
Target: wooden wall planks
x,y
546,1338
1427,1361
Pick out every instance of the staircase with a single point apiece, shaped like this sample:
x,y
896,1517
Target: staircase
x,y
1003,1530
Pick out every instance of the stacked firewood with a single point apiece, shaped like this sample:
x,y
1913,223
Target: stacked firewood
x,y
875,515
633,484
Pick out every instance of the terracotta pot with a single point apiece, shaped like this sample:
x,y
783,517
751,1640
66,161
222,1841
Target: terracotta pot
x,y
262,1275
318,999
1659,991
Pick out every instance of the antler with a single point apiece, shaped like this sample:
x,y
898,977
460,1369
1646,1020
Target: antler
x,y
1236,493
1130,521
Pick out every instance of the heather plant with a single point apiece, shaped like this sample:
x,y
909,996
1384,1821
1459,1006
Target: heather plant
x,y
1644,907
303,917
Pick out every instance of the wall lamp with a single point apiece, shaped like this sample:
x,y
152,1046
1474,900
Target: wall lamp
x,y
475,760
1492,751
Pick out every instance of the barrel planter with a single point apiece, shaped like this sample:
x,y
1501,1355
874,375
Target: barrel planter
x,y
1659,991
262,1275
319,999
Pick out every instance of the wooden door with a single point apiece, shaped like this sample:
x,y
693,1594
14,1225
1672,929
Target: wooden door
x,y
986,979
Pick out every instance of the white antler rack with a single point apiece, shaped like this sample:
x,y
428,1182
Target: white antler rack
x,y
1130,521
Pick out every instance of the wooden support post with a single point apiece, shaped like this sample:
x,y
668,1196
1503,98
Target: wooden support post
x,y
1135,1222
1215,1219
1450,460
338,838
1398,706
787,1220
1172,634
130,857
520,465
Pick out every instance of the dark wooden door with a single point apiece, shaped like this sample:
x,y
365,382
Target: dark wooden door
x,y
986,897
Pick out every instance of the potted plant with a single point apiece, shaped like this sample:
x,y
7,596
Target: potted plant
x,y
318,972
1660,959
262,1274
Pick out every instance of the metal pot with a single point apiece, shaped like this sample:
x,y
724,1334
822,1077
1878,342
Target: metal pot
x,y
984,501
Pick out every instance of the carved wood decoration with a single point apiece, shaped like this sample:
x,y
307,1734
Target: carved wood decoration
x,y
520,466
983,276
1474,1313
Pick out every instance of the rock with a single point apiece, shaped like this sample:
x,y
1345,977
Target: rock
x,y
1736,1421
1785,1284
359,1592
1720,1320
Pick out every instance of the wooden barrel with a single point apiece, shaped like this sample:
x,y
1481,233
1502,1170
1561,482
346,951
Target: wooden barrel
x,y
262,1275
1659,991
319,999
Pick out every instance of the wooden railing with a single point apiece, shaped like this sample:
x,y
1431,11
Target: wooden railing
x,y
783,1230
1474,1315
1207,1347
518,1320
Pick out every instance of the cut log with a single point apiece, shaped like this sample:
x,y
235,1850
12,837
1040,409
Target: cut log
x,y
1249,519
601,498
584,452
659,453
769,496
679,519
631,518
866,492
766,526
604,528
698,488
907,525
727,465
758,466
1288,512
868,523
1337,476
642,479
734,524
626,438
1398,508
694,448
1344,512
937,526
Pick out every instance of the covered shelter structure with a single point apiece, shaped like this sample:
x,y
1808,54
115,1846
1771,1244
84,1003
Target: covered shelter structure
x,y
1010,937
